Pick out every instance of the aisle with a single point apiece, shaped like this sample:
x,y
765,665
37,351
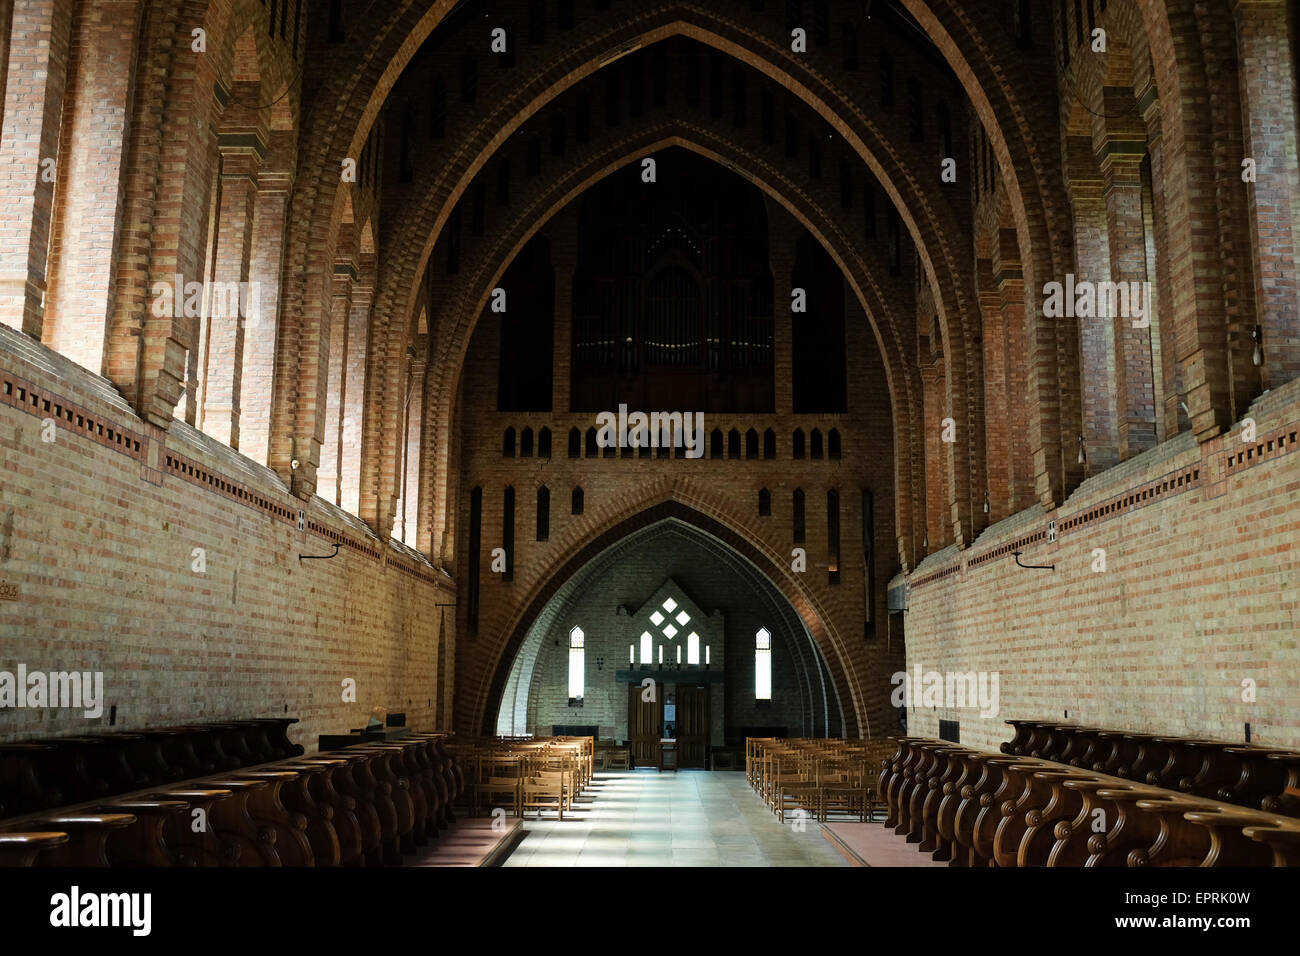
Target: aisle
x,y
691,818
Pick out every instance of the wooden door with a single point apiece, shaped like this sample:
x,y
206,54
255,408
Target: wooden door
x,y
645,721
693,726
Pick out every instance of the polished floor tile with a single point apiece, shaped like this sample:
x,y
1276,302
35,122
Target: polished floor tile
x,y
691,818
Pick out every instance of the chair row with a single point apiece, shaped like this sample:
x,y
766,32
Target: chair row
x,y
817,776
43,774
367,804
1263,778
532,773
976,808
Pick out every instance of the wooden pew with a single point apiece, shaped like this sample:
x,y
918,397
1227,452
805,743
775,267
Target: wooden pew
x,y
973,808
22,849
1248,775
367,805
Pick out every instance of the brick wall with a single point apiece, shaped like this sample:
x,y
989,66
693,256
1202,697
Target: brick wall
x,y
1201,591
96,543
620,489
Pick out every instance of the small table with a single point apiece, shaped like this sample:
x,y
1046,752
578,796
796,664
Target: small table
x,y
667,754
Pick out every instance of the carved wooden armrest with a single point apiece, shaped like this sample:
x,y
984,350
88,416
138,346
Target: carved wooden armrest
x,y
144,806
39,839
22,848
190,793
89,821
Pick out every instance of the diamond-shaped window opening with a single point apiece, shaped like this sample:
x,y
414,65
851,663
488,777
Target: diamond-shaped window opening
x,y
670,632
669,605
683,618
657,618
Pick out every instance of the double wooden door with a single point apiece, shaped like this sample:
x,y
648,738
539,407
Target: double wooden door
x,y
693,726
645,724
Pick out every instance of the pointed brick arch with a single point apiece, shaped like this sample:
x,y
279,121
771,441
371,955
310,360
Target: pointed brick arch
x,y
940,255
862,273
483,687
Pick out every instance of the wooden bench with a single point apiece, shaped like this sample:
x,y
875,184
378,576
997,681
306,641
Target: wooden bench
x,y
975,808
1261,778
368,805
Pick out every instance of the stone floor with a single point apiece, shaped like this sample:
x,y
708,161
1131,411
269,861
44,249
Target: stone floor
x,y
690,818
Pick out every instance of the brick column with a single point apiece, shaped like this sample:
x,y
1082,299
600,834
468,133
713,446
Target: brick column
x,y
354,396
260,331
1010,280
1268,99
39,41
328,474
6,19
430,491
1173,420
936,498
92,154
1096,339
219,414
996,424
409,506
1134,379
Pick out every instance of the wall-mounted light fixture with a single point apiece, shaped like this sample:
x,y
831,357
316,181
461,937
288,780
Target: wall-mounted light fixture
x,y
320,557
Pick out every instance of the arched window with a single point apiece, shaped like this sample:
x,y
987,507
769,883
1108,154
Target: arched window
x,y
508,533
544,443
475,558
769,444
764,503
575,443
646,647
833,443
751,444
715,443
577,501
733,444
692,648
526,443
508,443
915,110
577,661
944,121
543,513
833,535
438,109
593,450
816,443
763,664
798,443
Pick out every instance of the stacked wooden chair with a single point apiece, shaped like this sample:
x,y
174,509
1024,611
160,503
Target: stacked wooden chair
x,y
527,773
818,776
231,793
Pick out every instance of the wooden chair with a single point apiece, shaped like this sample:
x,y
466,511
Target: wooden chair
x,y
545,789
499,782
793,785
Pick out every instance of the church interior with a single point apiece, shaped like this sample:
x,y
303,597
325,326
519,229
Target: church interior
x,y
748,433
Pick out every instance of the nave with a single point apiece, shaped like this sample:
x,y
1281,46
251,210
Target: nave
x,y
687,819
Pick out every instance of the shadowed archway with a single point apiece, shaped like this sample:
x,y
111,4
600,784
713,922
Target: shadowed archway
x,y
479,711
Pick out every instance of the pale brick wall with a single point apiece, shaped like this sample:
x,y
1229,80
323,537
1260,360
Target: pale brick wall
x,y
1201,591
101,562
